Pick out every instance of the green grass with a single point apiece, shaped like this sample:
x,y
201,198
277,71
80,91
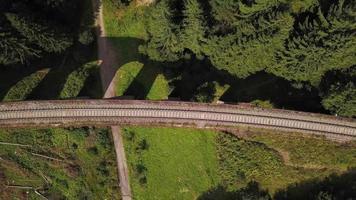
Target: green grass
x,y
22,89
125,28
76,80
88,169
180,163
170,163
310,152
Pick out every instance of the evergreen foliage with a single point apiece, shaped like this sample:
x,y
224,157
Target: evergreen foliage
x,y
13,49
48,38
193,34
31,28
210,92
321,41
298,40
338,89
163,44
251,47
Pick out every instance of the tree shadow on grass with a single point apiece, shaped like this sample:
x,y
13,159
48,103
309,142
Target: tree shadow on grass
x,y
10,76
126,50
115,52
53,83
261,86
335,186
143,82
251,192
280,92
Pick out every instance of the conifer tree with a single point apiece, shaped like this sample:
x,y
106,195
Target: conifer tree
x,y
338,91
251,47
13,49
47,37
163,43
193,31
321,42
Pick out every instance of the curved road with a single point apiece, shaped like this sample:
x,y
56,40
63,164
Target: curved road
x,y
115,112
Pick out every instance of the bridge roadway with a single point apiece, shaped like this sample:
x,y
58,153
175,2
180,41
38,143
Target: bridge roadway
x,y
114,112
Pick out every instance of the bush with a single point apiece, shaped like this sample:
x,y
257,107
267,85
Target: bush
x,y
93,150
86,37
262,104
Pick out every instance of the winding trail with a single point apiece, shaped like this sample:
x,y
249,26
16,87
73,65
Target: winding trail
x,y
108,67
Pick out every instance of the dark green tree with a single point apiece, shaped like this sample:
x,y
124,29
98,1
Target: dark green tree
x,y
251,47
338,92
32,28
46,37
14,49
321,41
163,43
194,28
209,92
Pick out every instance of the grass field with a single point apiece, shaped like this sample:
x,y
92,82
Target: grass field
x,y
136,75
22,89
171,163
178,163
80,164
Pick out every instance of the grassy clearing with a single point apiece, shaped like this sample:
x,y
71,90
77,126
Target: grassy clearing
x,y
170,163
143,82
310,152
177,163
22,89
136,76
85,167
76,80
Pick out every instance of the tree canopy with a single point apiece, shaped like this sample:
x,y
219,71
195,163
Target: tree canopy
x,y
294,40
299,41
31,28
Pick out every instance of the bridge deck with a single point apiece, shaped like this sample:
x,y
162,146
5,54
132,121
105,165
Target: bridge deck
x,y
113,112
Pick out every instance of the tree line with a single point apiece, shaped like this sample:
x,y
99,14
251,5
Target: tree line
x,y
304,42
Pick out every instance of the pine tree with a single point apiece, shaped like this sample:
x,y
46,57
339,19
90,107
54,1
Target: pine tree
x,y
251,47
321,42
47,37
13,49
163,43
338,91
341,100
193,32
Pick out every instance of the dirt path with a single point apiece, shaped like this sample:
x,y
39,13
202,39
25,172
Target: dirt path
x,y
287,161
106,54
121,163
108,67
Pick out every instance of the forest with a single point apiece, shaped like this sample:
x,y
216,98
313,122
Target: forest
x,y
309,45
33,28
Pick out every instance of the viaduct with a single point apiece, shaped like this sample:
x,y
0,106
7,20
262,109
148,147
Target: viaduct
x,y
112,112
